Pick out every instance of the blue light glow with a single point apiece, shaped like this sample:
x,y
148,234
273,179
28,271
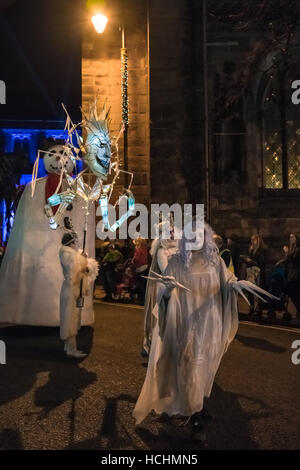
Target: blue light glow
x,y
26,141
25,179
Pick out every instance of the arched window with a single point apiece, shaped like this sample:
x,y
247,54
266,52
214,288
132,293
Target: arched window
x,y
280,120
26,147
17,145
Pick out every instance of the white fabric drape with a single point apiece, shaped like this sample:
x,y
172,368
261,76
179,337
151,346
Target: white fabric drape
x,y
169,248
31,275
191,335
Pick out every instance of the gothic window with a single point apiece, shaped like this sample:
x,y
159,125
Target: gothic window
x,y
280,132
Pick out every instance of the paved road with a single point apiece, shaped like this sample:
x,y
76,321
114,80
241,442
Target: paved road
x,y
50,402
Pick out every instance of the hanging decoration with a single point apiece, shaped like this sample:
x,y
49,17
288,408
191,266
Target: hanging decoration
x,y
124,77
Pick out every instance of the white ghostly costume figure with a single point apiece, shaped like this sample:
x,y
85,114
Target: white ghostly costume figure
x,y
161,251
31,275
77,269
197,318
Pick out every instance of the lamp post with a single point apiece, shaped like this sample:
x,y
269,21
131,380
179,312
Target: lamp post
x,y
206,111
100,21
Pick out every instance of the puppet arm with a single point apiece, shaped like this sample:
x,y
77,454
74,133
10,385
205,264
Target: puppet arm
x,y
168,281
62,198
103,202
248,286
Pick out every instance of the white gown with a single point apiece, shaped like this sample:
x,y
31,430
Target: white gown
x,y
31,275
191,335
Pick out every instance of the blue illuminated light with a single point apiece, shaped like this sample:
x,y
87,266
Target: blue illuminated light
x,y
28,141
25,179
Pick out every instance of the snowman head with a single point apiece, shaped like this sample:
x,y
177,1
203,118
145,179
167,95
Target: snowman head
x,y
58,159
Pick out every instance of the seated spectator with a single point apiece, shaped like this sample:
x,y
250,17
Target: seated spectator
x,y
140,263
292,272
224,252
127,283
232,243
256,270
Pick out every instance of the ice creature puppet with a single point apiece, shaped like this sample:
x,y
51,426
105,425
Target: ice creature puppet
x,y
197,318
31,276
98,156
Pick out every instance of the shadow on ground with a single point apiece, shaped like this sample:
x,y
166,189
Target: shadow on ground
x,y
231,427
31,350
259,343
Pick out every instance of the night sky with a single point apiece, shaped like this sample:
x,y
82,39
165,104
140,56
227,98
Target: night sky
x,y
40,53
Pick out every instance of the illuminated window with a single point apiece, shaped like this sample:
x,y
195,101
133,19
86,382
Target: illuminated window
x,y
280,132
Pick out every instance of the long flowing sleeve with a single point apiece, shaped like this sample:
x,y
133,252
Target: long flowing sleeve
x,y
229,304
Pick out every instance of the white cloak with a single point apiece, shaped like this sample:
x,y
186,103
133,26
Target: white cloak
x,y
191,335
31,275
76,268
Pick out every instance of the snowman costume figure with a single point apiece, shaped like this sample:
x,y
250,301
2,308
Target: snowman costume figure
x,y
79,274
31,276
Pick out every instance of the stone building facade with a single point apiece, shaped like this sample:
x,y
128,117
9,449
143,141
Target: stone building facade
x,y
167,131
101,74
253,153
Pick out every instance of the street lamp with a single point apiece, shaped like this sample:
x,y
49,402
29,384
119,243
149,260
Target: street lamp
x,y
100,21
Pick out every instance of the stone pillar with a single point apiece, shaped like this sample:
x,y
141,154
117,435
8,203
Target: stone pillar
x,y
176,107
101,73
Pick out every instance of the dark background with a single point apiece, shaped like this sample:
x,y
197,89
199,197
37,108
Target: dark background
x,y
40,58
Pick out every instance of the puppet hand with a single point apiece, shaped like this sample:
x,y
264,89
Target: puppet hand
x,y
253,289
170,282
66,197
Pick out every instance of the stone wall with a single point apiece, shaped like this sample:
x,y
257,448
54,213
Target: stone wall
x,y
176,101
101,74
240,205
166,132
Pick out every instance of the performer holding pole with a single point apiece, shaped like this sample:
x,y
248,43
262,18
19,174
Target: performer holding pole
x,y
79,274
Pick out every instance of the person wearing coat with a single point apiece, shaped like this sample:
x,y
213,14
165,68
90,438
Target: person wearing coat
x,y
292,272
77,269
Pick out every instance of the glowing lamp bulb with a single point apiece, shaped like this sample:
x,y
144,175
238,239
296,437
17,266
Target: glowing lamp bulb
x,y
99,22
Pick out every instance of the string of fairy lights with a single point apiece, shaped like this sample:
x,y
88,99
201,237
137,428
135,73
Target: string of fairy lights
x,y
124,77
273,162
273,143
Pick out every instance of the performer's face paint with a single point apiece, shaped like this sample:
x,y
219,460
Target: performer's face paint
x,y
194,234
98,152
57,159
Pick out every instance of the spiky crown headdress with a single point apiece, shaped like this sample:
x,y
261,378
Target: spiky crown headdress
x,y
95,123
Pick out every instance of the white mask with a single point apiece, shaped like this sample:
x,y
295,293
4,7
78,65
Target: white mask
x,y
194,234
57,158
